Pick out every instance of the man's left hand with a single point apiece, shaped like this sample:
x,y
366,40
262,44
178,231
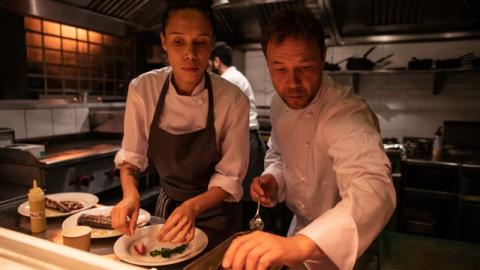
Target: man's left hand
x,y
260,250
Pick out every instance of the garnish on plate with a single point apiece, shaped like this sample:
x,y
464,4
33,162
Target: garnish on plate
x,y
168,252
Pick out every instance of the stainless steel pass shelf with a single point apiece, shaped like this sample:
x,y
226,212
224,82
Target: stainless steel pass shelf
x,y
439,75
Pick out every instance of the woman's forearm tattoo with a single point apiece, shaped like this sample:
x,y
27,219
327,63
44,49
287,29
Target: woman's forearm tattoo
x,y
134,172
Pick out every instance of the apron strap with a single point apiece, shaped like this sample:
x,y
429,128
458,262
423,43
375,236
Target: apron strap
x,y
163,204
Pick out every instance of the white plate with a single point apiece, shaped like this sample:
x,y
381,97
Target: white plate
x,y
123,247
86,199
143,218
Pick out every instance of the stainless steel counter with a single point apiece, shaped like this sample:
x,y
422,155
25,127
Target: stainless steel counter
x,y
444,163
55,104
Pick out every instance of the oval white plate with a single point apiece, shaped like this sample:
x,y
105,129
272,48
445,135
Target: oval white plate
x,y
123,247
86,199
71,221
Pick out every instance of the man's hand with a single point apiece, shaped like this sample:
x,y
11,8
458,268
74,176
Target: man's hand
x,y
260,250
264,188
180,226
125,215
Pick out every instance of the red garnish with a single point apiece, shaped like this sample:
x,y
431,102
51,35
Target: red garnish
x,y
140,248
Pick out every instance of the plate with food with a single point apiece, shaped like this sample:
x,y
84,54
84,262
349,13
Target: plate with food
x,y
62,204
100,221
143,248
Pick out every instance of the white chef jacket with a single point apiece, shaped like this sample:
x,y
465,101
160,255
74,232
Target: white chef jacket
x,y
332,171
185,114
234,76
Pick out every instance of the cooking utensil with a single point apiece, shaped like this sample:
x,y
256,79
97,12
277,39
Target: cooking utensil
x,y
363,63
463,60
256,223
416,63
334,66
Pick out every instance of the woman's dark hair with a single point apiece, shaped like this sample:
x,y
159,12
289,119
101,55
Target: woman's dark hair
x,y
203,7
296,23
223,52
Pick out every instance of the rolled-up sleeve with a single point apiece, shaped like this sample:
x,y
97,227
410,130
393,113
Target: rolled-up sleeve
x,y
234,148
364,181
135,139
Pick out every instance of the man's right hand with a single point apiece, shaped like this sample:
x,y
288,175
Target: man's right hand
x,y
264,188
125,214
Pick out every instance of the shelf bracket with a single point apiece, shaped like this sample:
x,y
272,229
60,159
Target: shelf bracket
x,y
355,83
438,80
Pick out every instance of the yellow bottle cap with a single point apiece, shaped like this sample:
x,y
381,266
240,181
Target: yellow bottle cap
x,y
35,188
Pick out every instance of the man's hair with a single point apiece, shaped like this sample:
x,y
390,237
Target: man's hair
x,y
199,5
223,52
296,23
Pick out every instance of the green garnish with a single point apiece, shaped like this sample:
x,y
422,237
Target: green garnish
x,y
168,252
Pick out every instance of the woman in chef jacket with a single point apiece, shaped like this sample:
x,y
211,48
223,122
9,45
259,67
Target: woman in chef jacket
x,y
193,127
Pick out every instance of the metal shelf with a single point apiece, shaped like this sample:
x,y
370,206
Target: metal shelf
x,y
438,75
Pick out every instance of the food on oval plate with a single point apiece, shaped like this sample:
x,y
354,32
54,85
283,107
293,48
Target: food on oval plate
x,y
140,248
163,252
168,252
64,206
95,221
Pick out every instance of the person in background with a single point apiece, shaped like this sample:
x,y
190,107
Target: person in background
x,y
221,63
193,126
325,160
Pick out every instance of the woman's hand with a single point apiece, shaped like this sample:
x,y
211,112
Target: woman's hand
x,y
260,250
180,226
125,214
264,188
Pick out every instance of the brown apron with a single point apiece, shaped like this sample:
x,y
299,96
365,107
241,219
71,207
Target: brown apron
x,y
185,164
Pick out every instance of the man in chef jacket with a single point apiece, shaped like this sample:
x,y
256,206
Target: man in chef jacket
x,y
325,160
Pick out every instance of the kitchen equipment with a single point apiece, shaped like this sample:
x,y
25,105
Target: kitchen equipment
x,y
334,66
416,63
7,137
256,223
363,63
418,147
461,135
461,61
74,163
37,150
77,237
461,141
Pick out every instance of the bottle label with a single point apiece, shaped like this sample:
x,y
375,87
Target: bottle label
x,y
37,214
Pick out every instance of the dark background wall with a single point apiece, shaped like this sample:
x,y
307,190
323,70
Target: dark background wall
x,y
13,67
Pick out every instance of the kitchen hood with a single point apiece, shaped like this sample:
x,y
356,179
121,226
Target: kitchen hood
x,y
241,21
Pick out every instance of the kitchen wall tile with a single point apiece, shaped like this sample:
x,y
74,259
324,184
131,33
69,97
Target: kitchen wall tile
x,y
14,119
82,123
404,102
255,66
63,121
39,123
260,99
